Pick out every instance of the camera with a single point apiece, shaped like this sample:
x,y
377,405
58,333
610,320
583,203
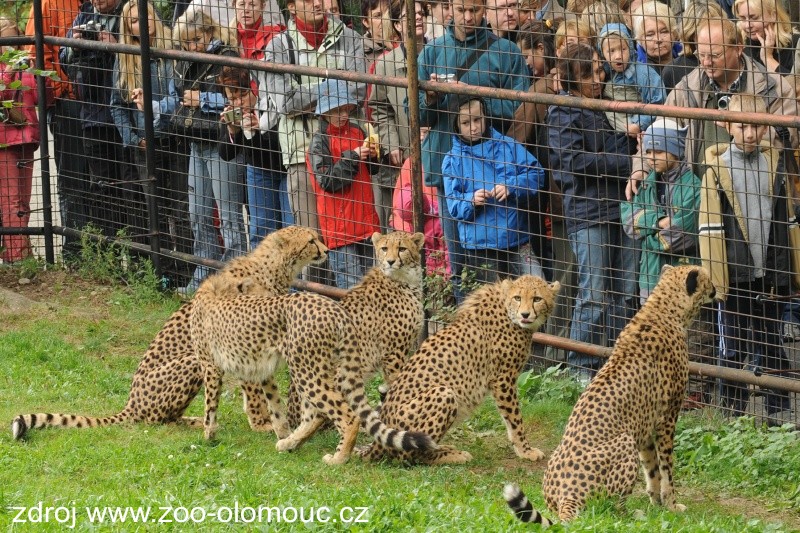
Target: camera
x,y
233,116
723,99
90,31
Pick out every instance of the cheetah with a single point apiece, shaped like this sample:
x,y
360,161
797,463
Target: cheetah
x,y
630,406
169,376
248,336
387,309
482,351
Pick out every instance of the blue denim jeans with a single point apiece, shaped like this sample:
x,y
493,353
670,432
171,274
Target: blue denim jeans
x,y
455,252
264,202
350,262
214,181
607,296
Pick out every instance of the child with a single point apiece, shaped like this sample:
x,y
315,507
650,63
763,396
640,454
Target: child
x,y
336,162
487,177
662,216
19,139
628,80
749,243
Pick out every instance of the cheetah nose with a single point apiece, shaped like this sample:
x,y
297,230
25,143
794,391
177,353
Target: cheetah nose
x,y
525,315
390,262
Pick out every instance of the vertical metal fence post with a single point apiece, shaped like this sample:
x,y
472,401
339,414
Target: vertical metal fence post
x,y
44,147
415,147
150,189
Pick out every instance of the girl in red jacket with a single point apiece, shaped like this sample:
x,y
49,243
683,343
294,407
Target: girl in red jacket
x,y
19,139
337,164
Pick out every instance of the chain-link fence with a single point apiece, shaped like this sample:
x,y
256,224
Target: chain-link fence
x,y
590,144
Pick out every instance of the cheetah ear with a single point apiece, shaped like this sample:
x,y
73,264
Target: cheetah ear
x,y
505,285
375,236
245,285
665,268
691,282
555,287
419,240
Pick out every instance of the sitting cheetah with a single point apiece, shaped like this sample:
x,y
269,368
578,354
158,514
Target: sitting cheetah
x,y
387,309
630,406
483,350
249,336
169,375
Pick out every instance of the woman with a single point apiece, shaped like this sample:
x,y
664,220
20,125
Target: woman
x,y
591,163
768,34
211,180
387,110
687,61
127,105
380,34
19,139
267,199
655,29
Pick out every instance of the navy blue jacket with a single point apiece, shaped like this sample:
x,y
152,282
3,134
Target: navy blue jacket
x,y
92,72
590,162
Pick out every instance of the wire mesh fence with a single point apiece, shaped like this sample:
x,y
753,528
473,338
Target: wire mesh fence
x,y
590,143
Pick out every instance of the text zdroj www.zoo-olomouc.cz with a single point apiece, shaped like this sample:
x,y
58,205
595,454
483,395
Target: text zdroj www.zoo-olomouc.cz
x,y
70,516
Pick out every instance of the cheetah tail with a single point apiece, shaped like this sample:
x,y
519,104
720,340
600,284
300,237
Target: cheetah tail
x,y
22,423
522,508
406,441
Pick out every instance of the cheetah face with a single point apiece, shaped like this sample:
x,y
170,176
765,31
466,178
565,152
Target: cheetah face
x,y
689,286
397,251
301,246
529,300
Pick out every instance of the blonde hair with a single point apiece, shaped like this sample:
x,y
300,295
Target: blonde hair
x,y
747,103
195,20
658,11
602,12
777,14
130,65
730,36
573,28
697,10
577,6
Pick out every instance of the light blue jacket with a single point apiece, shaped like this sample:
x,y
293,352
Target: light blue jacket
x,y
502,66
129,120
499,160
640,75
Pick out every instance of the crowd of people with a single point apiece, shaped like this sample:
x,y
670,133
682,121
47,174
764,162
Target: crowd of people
x,y
599,199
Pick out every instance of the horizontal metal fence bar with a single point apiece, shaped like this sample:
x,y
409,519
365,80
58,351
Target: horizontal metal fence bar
x,y
11,230
697,369
505,94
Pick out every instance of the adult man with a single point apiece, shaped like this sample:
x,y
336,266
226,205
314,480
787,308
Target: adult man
x,y
92,73
503,17
467,48
313,39
63,117
724,70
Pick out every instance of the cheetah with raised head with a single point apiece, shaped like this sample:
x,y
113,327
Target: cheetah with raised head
x,y
169,376
249,336
482,351
386,307
628,412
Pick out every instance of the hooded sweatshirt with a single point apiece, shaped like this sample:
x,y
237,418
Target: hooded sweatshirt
x,y
638,82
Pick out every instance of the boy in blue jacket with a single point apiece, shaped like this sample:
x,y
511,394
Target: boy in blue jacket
x,y
489,179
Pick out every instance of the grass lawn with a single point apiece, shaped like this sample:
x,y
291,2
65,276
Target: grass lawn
x,y
77,353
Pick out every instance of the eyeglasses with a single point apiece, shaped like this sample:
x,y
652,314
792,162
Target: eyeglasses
x,y
420,14
713,57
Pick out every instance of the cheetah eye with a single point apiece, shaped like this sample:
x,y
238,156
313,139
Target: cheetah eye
x,y
537,299
384,249
518,298
403,249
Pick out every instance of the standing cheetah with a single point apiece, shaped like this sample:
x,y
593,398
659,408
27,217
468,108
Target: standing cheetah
x,y
249,336
482,351
169,375
387,309
630,407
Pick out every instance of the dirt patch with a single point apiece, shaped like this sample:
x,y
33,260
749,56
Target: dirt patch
x,y
53,287
767,512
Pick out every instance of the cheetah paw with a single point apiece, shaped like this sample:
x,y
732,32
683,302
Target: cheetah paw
x,y
532,454
330,459
678,508
210,433
285,445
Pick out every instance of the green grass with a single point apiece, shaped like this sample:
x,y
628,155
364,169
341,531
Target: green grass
x,y
80,359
